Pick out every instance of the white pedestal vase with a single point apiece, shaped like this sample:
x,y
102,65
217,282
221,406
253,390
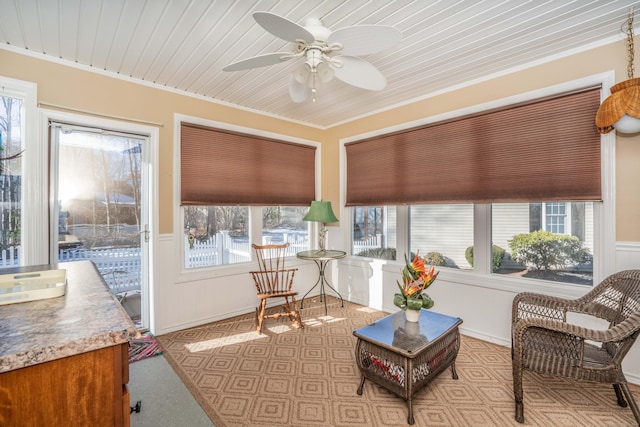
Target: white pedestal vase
x,y
412,315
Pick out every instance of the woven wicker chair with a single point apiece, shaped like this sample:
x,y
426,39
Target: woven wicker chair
x,y
274,281
543,341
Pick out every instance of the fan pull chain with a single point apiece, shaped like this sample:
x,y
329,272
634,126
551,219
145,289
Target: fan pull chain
x,y
630,47
313,85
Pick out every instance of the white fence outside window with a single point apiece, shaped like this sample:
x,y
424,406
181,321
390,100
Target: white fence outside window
x,y
10,257
223,249
120,267
371,242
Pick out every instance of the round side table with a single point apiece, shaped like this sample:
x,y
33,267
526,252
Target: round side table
x,y
322,258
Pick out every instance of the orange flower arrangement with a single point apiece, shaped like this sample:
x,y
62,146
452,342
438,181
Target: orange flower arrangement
x,y
416,277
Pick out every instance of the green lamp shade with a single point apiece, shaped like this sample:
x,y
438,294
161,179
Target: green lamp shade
x,y
320,212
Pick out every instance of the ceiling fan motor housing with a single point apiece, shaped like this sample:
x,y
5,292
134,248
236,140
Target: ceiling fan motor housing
x,y
319,31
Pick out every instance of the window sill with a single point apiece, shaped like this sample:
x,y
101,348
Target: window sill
x,y
497,282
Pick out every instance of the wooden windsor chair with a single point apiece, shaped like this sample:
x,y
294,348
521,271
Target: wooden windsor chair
x,y
273,280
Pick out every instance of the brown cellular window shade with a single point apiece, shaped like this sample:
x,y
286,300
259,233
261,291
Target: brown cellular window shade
x,y
220,167
543,150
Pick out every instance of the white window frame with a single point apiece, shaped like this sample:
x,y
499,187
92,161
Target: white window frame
x,y
255,212
481,275
567,215
34,207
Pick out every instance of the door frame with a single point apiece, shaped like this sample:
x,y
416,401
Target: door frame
x,y
150,203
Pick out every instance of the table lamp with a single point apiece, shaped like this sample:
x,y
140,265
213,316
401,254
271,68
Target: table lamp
x,y
321,212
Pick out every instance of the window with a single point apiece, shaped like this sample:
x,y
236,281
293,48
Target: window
x,y
373,232
221,235
23,209
238,187
11,146
551,241
499,155
443,234
555,217
224,167
284,224
492,192
216,235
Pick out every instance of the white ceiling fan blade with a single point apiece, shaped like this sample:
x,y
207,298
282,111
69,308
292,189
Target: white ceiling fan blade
x,y
298,92
259,61
365,39
359,73
282,27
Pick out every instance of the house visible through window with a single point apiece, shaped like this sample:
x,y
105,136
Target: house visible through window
x,y
551,241
442,233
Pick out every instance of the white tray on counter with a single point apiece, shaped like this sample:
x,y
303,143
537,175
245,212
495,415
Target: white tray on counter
x,y
32,286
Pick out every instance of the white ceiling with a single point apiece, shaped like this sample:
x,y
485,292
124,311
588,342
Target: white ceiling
x,y
184,44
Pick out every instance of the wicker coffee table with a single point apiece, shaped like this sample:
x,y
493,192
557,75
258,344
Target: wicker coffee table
x,y
404,357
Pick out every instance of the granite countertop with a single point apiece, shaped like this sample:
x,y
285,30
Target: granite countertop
x,y
88,317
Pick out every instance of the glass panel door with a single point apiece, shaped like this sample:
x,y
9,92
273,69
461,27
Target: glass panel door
x,y
100,209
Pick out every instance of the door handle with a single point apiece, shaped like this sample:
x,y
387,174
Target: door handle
x,y
146,233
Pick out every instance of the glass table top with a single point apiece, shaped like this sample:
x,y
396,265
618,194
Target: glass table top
x,y
395,332
321,255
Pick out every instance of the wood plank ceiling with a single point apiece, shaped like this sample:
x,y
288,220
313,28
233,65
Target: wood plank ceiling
x,y
184,44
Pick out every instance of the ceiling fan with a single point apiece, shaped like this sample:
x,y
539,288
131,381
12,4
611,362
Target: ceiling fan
x,y
320,46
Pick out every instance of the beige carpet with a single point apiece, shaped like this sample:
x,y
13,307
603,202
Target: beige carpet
x,y
309,377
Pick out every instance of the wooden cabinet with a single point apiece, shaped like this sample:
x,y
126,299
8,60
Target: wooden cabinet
x,y
64,361
87,389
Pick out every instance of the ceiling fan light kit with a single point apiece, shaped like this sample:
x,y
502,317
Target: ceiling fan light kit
x,y
319,47
621,110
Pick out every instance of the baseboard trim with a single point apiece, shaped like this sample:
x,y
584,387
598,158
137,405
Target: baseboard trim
x,y
202,321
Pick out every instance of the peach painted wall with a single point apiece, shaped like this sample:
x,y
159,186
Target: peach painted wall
x,y
80,89
596,61
76,88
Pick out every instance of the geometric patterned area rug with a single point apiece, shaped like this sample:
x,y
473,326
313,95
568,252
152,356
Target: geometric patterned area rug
x,y
309,377
143,347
